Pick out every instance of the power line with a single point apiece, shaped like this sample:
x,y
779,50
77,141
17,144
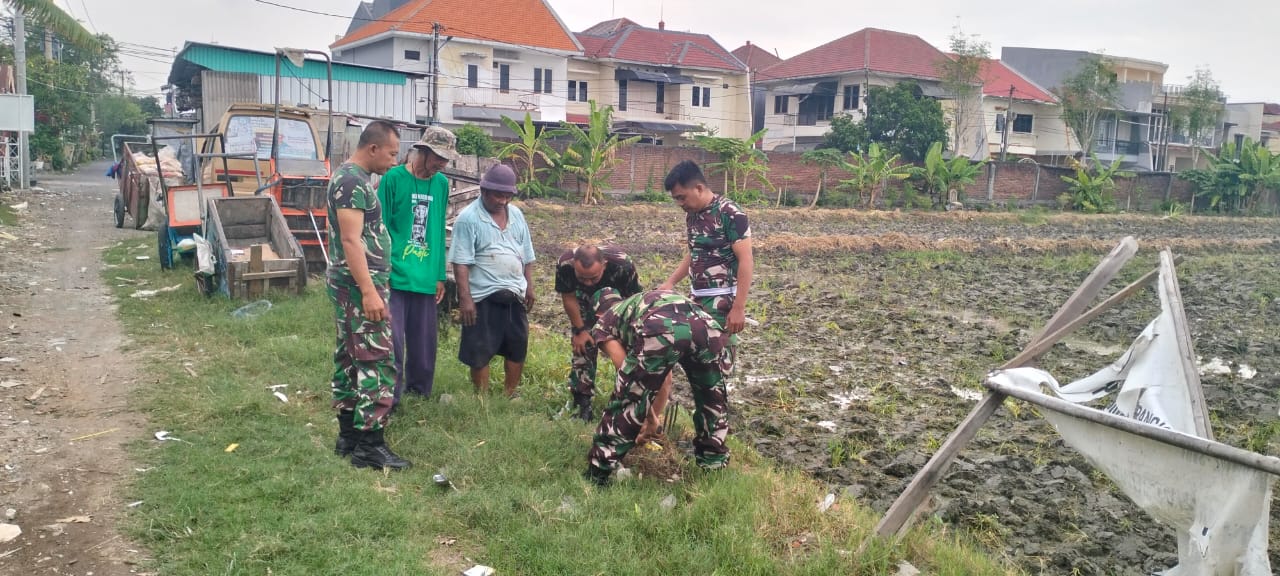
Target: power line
x,y
86,15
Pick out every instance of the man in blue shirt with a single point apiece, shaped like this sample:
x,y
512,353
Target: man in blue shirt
x,y
492,258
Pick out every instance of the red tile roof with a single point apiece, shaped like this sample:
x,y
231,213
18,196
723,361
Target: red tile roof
x,y
630,42
869,49
755,57
1272,127
1271,109
518,22
997,77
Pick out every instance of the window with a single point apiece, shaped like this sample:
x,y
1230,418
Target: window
x,y
816,107
622,95
582,91
542,80
412,55
473,76
780,104
697,96
659,101
1022,123
573,90
706,97
504,78
851,94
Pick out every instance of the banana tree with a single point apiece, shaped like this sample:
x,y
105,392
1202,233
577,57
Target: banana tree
x,y
593,152
529,147
825,159
1091,189
46,14
873,172
942,176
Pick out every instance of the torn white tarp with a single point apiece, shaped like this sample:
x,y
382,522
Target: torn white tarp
x,y
1219,508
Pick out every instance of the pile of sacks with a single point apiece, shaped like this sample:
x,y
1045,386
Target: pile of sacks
x,y
170,166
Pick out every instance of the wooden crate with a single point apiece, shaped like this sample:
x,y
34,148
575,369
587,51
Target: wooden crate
x,y
254,249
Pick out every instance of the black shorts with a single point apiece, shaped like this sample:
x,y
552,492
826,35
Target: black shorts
x,y
501,328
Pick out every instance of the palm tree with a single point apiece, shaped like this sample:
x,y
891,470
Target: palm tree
x,y
47,15
592,154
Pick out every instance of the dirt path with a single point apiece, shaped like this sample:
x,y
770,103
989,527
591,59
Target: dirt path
x,y
63,378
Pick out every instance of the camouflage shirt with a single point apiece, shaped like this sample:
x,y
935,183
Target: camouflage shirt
x,y
619,274
350,188
653,313
712,233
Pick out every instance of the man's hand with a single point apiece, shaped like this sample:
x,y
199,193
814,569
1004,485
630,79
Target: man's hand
x,y
467,310
665,286
581,341
439,292
649,429
375,310
529,299
736,320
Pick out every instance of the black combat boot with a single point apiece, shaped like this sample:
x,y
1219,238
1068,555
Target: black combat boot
x,y
597,476
372,452
583,403
347,436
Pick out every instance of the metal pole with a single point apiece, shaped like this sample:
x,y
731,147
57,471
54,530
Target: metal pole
x,y
1008,119
275,127
435,72
20,66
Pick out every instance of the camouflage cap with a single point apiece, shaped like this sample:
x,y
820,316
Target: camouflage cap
x,y
440,141
604,299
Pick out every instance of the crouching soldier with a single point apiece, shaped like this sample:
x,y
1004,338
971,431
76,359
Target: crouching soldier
x,y
645,336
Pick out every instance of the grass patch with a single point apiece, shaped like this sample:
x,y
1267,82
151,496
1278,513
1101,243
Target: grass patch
x,y
282,503
7,216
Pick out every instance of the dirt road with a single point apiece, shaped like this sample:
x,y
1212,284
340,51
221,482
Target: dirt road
x,y
64,383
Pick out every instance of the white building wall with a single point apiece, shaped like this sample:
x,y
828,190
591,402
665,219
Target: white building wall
x,y
378,100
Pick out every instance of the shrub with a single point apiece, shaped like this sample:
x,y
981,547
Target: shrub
x,y
474,140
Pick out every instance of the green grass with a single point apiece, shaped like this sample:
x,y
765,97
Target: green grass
x,y
7,216
282,503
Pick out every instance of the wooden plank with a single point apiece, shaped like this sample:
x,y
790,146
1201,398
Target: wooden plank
x,y
1186,350
897,518
1205,446
238,231
256,287
256,277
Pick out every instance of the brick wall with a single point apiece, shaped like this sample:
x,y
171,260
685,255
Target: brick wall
x,y
645,165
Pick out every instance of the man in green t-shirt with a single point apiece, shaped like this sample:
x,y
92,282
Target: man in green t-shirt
x,y
415,197
363,372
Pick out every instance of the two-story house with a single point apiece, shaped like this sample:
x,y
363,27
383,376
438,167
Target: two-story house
x,y
664,85
1036,128
491,62
805,91
1257,121
756,59
1135,120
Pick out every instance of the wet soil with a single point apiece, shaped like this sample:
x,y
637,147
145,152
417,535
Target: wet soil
x,y
876,329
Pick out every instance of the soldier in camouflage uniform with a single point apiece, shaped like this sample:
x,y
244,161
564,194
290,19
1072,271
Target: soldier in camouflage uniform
x,y
645,336
358,282
580,273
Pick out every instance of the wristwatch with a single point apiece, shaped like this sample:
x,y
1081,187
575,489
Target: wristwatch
x,y
577,331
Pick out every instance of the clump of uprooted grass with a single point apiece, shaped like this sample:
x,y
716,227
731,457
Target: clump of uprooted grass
x,y
279,501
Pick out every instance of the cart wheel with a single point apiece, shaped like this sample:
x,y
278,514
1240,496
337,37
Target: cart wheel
x,y
166,250
119,211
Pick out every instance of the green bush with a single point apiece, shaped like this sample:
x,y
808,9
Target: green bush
x,y
474,140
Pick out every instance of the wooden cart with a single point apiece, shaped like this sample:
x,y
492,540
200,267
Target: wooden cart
x,y
252,247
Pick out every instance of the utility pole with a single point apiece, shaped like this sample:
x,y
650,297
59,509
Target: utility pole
x,y
20,68
435,72
122,82
1008,119
1164,138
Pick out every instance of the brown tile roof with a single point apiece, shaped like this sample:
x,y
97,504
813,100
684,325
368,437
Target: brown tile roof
x,y
1271,109
869,49
997,77
627,41
755,57
1272,127
518,22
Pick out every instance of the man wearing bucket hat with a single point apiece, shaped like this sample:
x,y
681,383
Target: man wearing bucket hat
x,y
492,258
415,197
645,336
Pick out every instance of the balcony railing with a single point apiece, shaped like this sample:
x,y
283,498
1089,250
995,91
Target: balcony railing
x,y
641,109
514,99
1209,141
1122,147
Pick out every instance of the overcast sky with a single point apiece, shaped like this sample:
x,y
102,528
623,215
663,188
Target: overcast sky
x,y
1238,40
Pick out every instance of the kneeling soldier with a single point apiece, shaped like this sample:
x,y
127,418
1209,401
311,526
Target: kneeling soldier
x,y
645,336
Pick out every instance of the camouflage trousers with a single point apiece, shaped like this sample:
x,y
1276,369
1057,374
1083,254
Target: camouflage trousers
x,y
705,360
718,307
582,367
364,372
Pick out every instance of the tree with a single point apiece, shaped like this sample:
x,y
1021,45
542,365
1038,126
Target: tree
x,y
1237,177
46,15
473,140
1198,111
872,172
740,160
530,145
942,176
904,121
593,152
1088,95
846,135
961,76
1091,188
825,159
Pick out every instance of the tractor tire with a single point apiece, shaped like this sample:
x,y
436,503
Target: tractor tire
x,y
119,210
